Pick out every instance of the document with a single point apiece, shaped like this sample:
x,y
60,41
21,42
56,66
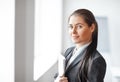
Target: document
x,y
61,65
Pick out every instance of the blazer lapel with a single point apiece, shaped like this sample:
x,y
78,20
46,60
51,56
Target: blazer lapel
x,y
68,58
76,61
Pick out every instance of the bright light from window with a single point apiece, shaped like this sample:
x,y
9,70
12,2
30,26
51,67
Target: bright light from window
x,y
7,40
47,35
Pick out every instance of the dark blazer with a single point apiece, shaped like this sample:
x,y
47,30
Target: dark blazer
x,y
96,70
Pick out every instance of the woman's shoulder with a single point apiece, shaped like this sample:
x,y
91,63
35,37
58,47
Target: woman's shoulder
x,y
97,56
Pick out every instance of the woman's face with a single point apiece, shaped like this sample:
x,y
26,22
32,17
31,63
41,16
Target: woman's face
x,y
79,30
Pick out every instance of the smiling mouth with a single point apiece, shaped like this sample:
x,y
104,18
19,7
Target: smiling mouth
x,y
74,37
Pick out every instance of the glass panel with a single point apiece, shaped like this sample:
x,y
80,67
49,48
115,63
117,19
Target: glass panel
x,y
48,15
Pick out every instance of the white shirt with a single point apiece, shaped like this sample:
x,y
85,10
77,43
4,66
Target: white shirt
x,y
76,52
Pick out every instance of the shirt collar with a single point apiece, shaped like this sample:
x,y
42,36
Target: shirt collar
x,y
80,49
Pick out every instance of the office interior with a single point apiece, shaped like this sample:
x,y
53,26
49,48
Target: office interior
x,y
34,32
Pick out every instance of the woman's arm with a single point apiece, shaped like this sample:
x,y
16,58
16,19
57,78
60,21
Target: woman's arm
x,y
97,70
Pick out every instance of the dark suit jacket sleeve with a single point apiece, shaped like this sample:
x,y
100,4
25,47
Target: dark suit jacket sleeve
x,y
97,70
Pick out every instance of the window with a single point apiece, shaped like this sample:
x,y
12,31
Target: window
x,y
7,40
103,35
47,35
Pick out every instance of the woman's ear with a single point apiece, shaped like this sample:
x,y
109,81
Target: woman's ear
x,y
92,28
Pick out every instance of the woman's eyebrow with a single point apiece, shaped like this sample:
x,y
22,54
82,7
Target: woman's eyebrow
x,y
76,24
79,24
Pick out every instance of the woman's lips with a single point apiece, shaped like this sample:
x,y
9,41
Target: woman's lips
x,y
75,37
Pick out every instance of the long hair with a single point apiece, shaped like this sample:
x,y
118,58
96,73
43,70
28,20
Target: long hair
x,y
89,19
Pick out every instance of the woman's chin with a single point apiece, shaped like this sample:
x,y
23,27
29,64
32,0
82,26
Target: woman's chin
x,y
75,41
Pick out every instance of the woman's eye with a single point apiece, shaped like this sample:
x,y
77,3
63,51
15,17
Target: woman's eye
x,y
79,26
70,27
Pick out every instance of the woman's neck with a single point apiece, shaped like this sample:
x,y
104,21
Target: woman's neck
x,y
80,45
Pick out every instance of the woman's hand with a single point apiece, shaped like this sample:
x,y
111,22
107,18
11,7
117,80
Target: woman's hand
x,y
61,79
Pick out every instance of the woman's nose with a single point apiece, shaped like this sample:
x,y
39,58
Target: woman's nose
x,y
74,30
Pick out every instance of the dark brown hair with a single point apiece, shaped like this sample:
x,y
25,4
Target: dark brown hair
x,y
89,19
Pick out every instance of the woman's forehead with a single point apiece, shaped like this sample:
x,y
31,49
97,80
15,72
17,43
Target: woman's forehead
x,y
75,19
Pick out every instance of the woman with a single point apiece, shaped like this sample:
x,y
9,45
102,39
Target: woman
x,y
83,62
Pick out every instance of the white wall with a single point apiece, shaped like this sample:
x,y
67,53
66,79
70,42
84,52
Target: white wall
x,y
7,40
